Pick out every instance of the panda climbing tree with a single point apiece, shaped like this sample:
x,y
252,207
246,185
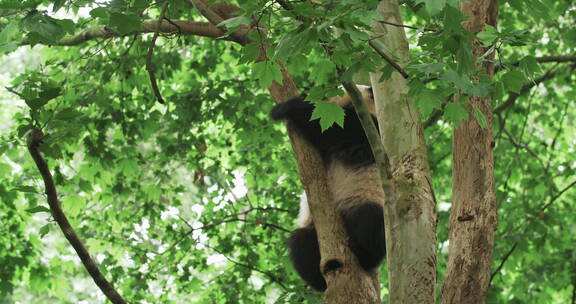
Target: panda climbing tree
x,y
353,181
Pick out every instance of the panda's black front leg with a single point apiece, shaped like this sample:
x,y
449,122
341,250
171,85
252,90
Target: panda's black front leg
x,y
305,256
365,227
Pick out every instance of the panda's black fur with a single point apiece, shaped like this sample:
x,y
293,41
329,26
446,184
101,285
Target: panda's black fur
x,y
354,183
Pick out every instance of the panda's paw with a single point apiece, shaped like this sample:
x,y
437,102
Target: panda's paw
x,y
305,256
365,227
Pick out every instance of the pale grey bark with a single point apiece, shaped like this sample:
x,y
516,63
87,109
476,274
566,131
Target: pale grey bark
x,y
410,215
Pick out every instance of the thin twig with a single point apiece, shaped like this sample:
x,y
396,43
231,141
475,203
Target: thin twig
x,y
508,254
408,26
391,62
437,113
149,65
269,274
520,145
525,89
543,59
34,140
557,196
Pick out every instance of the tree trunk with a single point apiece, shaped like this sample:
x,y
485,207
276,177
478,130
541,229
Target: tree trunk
x,y
409,213
473,215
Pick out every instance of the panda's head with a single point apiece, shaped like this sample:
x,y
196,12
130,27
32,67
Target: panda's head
x,y
367,97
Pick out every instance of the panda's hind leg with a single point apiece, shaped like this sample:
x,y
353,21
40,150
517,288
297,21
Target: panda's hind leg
x,y
365,227
305,256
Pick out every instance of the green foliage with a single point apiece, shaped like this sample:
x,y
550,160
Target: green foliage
x,y
266,72
192,201
328,113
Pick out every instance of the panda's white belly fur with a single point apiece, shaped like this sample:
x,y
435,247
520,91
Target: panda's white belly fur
x,y
347,186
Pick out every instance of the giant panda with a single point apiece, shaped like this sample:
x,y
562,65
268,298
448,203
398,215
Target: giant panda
x,y
353,180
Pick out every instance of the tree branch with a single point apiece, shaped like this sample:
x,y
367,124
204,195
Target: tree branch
x,y
508,254
149,65
181,27
34,140
509,102
557,196
543,59
560,58
391,62
408,26
269,274
525,89
216,19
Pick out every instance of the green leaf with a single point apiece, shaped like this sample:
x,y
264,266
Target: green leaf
x,y
250,53
428,67
128,166
73,204
323,71
233,23
488,35
387,71
456,112
8,33
266,72
530,65
67,25
461,81
5,169
44,230
42,27
67,114
513,81
480,118
57,5
124,23
427,101
480,89
27,189
435,6
99,12
328,113
356,35
38,209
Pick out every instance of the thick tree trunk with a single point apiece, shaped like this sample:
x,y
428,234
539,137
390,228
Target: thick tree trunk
x,y
473,215
410,214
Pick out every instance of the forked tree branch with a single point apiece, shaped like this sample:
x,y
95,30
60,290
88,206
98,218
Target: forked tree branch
x,y
216,17
34,141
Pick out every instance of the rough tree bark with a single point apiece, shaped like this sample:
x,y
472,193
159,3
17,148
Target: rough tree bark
x,y
473,215
410,214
